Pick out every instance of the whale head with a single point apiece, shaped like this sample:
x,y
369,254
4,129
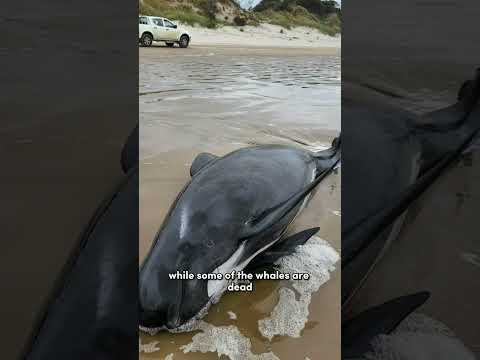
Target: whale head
x,y
199,236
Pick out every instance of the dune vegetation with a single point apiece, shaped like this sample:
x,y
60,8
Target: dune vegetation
x,y
318,14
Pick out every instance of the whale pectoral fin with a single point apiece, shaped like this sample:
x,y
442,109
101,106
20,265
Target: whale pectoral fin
x,y
357,333
282,248
200,161
271,216
129,156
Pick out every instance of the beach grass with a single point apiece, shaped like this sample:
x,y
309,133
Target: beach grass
x,y
193,12
330,25
183,13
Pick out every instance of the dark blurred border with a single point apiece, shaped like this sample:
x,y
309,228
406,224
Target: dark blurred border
x,y
69,85
415,55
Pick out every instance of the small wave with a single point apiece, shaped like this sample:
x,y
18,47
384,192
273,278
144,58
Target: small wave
x,y
161,91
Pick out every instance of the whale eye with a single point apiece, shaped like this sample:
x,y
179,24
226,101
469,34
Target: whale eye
x,y
209,242
185,248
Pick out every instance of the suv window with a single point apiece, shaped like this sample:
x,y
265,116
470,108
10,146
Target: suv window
x,y
168,24
143,20
158,22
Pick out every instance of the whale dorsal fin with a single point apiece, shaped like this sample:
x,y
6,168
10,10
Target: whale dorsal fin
x,y
200,161
357,333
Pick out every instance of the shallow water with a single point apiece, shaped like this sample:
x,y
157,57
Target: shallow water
x,y
218,100
234,96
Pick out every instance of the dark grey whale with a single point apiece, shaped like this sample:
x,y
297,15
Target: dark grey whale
x,y
391,157
92,312
232,214
410,154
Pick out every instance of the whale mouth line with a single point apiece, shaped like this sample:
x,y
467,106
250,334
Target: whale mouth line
x,y
193,323
190,325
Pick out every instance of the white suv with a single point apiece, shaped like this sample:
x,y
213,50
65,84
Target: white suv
x,y
151,28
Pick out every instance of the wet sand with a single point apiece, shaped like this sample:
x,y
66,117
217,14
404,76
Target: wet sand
x,y
219,100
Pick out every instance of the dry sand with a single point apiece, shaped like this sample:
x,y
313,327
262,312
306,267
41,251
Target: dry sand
x,y
264,35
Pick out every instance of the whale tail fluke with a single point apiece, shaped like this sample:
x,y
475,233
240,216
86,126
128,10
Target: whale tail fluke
x,y
457,115
444,130
326,158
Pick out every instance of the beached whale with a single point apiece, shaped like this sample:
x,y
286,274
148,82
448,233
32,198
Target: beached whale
x,y
391,157
408,153
92,313
232,215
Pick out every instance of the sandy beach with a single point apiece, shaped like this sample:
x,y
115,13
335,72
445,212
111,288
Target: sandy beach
x,y
264,35
220,98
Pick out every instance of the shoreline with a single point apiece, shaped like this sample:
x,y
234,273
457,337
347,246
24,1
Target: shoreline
x,y
234,49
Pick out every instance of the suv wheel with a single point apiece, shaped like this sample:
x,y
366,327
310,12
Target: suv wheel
x,y
147,39
184,40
